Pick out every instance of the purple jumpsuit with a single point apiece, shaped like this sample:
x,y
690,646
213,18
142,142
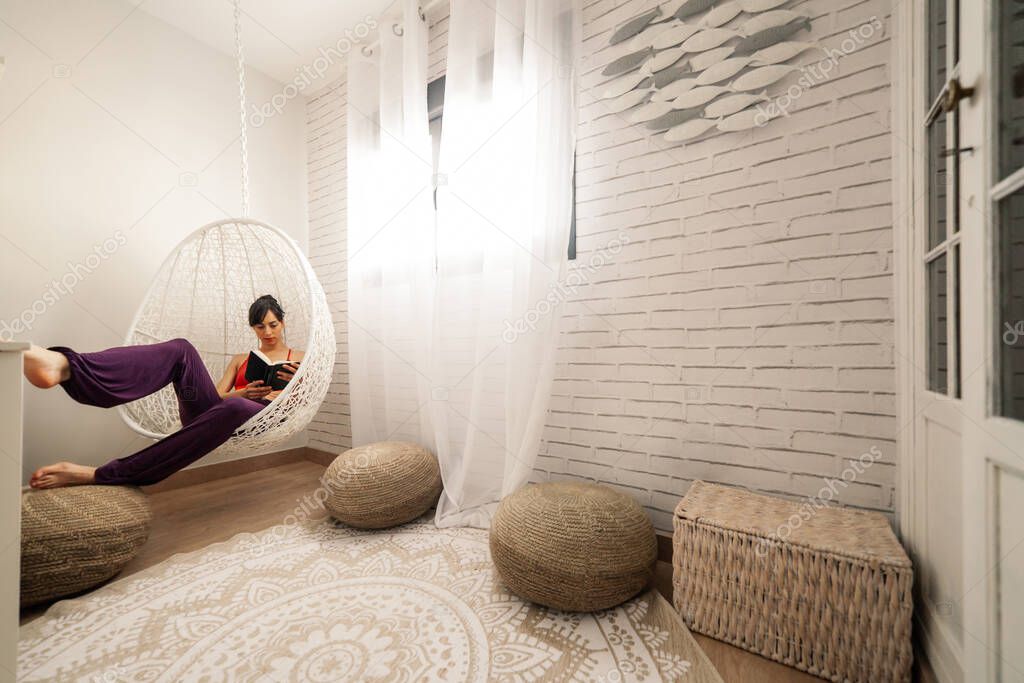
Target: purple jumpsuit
x,y
126,373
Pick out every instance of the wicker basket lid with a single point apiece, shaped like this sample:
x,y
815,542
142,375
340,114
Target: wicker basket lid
x,y
854,533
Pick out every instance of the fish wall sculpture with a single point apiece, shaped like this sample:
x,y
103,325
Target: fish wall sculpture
x,y
688,68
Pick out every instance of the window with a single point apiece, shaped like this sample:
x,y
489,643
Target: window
x,y
435,113
572,220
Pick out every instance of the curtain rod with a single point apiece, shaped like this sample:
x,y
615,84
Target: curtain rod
x,y
367,50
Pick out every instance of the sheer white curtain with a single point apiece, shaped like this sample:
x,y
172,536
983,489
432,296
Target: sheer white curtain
x,y
390,219
503,220
453,316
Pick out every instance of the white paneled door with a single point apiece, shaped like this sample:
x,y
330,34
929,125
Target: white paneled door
x,y
993,206
962,288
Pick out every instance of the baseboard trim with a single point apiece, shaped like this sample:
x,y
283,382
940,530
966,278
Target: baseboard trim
x,y
231,468
320,457
936,646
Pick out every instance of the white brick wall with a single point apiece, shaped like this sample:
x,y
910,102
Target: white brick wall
x,y
331,429
744,333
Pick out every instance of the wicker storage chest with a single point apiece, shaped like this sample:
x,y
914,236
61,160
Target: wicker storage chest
x,y
823,589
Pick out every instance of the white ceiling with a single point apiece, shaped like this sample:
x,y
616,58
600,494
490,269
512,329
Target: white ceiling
x,y
277,37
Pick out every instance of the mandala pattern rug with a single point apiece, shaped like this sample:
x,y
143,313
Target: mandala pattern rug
x,y
320,602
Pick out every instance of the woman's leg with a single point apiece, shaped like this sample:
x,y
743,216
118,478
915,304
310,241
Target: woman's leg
x,y
126,373
121,374
168,455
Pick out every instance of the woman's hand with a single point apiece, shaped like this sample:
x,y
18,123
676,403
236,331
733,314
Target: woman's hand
x,y
288,371
273,394
254,390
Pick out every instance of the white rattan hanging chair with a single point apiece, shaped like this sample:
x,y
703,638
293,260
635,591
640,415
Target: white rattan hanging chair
x,y
202,293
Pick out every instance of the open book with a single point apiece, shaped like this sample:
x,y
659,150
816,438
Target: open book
x,y
259,367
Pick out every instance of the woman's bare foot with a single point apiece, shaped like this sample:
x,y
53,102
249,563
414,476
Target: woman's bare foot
x,y
62,474
45,368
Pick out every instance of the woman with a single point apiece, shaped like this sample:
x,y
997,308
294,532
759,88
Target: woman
x,y
209,413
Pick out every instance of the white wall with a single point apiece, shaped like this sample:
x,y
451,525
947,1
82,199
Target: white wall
x,y
116,125
744,334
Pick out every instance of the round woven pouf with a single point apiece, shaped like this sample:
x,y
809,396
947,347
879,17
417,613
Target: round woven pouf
x,y
75,537
573,546
382,484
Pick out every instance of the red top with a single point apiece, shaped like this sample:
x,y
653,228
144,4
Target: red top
x,y
240,381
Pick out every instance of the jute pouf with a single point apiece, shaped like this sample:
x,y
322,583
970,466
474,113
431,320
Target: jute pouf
x,y
573,546
382,484
75,537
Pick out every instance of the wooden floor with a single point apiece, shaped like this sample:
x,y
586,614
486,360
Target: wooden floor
x,y
192,517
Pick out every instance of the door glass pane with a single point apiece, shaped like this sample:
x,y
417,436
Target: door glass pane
x,y
938,181
1011,321
952,152
936,48
1011,88
938,178
956,30
937,342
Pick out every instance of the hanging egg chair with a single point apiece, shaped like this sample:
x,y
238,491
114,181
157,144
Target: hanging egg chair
x,y
203,291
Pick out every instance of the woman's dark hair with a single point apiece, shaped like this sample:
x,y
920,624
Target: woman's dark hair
x,y
259,308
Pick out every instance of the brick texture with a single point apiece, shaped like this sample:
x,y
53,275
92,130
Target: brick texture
x,y
743,332
331,429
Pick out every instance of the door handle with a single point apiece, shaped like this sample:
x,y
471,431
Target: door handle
x,y
954,92
947,99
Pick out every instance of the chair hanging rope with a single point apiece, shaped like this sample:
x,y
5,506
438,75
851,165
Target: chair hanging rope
x,y
243,135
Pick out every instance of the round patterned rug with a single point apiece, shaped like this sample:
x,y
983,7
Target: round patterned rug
x,y
321,602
